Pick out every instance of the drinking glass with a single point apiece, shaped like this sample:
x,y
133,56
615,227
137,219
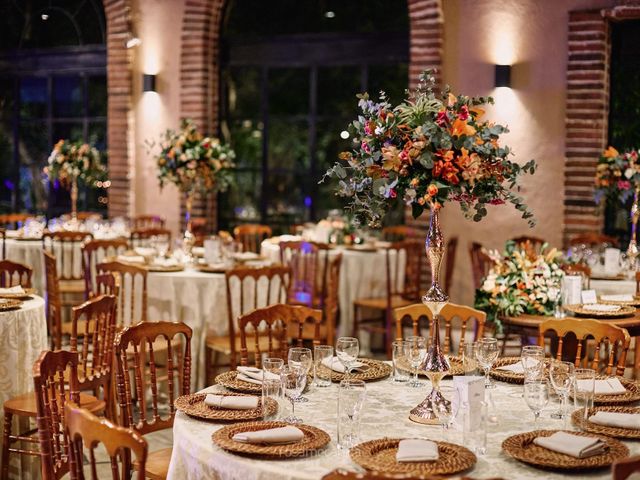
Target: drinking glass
x,y
554,292
416,351
474,427
273,365
446,411
399,358
536,395
487,353
294,379
469,361
351,396
347,349
562,375
272,391
321,376
532,359
300,357
584,390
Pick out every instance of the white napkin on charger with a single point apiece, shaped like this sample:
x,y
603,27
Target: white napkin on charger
x,y
608,386
616,419
280,436
165,262
231,402
417,450
246,256
617,298
336,365
16,289
145,251
514,367
254,375
573,445
598,307
130,258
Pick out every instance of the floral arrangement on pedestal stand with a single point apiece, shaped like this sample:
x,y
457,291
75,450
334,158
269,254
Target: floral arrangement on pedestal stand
x,y
428,150
618,178
194,163
71,162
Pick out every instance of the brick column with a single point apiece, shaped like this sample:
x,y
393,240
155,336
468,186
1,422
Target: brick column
x,y
426,32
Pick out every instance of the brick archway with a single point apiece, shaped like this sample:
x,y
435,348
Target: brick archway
x,y
200,66
119,87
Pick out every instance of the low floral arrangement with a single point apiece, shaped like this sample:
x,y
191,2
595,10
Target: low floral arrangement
x,y
521,280
193,162
75,161
427,150
617,175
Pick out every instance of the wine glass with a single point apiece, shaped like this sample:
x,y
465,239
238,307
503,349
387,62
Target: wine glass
x,y
536,394
347,349
487,353
416,350
300,357
273,365
294,379
562,375
446,411
532,359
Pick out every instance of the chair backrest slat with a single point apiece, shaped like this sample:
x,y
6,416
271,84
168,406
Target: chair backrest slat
x,y
143,237
14,273
67,248
132,283
95,252
251,235
53,301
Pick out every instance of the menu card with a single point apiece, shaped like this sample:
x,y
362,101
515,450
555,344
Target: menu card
x,y
611,261
471,392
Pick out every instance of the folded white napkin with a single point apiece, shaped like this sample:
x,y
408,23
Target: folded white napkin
x,y
281,435
130,258
417,450
514,367
608,386
231,402
165,262
617,298
254,375
616,419
573,445
145,251
17,289
246,256
336,365
598,307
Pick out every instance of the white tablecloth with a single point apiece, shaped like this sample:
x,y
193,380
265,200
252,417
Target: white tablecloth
x,y
29,253
386,415
23,336
613,287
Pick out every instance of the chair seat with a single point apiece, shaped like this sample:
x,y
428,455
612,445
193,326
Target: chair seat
x,y
25,405
157,465
72,286
222,344
381,303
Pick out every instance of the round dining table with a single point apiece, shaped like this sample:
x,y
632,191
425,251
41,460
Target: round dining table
x,y
385,414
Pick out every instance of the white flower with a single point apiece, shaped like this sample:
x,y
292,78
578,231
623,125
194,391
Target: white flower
x,y
489,283
628,173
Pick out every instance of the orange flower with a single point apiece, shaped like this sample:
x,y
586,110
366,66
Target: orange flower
x,y
451,100
610,152
460,127
477,112
432,190
446,155
392,159
414,182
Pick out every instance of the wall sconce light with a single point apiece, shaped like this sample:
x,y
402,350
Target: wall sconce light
x,y
503,76
148,83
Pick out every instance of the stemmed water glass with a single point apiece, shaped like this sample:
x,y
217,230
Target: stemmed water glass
x,y
300,357
347,349
536,394
562,375
294,379
487,353
416,351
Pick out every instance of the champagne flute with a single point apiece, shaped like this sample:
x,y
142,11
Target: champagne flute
x,y
294,379
416,351
536,395
562,375
487,353
532,359
347,349
300,357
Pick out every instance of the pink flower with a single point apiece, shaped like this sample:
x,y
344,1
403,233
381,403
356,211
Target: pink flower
x,y
624,184
496,201
442,120
365,147
464,113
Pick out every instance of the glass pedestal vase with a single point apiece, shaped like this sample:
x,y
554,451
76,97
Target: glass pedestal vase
x,y
188,239
632,250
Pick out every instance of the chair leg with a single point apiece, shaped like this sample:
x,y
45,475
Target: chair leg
x,y
207,365
4,475
355,322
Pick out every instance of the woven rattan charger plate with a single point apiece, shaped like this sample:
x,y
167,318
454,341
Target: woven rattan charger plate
x,y
456,364
7,304
632,395
160,268
212,268
380,455
377,371
506,375
521,447
229,380
625,311
617,432
194,406
632,303
28,292
313,441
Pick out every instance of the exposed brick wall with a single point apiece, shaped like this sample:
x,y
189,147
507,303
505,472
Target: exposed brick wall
x,y
426,22
119,85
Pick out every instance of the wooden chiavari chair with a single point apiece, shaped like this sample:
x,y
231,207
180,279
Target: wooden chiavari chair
x,y
13,221
398,233
132,298
272,329
92,334
529,242
582,270
86,430
66,247
251,235
611,340
142,222
402,288
592,238
3,237
143,237
623,468
107,284
480,264
13,273
450,262
467,323
53,301
135,349
247,289
95,252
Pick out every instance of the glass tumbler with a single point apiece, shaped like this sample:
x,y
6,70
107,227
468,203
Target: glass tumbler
x,y
584,390
400,362
272,394
322,374
351,397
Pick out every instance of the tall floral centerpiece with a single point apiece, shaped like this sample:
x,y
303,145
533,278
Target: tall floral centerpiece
x,y
618,178
430,149
194,163
71,162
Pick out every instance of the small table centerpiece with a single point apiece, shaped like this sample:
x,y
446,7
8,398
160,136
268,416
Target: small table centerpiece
x,y
428,150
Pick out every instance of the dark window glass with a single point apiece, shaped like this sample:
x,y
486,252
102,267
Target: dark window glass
x,y
97,96
67,97
33,97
